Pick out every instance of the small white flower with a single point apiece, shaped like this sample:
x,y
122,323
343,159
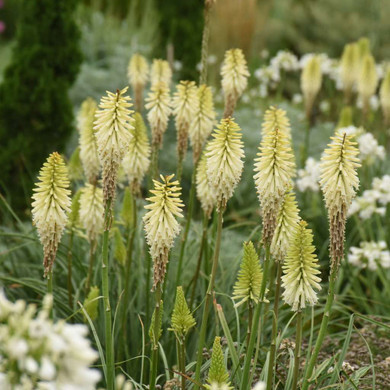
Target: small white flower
x,y
308,178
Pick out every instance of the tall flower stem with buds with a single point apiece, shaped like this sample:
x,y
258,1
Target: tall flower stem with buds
x,y
297,351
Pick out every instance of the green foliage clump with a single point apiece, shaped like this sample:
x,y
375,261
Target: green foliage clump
x,y
35,112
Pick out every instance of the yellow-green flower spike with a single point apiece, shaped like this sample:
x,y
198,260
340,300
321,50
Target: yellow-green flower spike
x,y
74,215
225,153
87,140
91,211
137,158
250,276
364,47
203,121
160,72
311,80
339,182
349,68
75,169
367,81
218,377
127,214
91,303
274,170
300,270
185,103
161,226
286,222
384,95
235,75
346,117
159,106
120,251
204,191
113,127
155,338
138,74
50,206
182,319
275,118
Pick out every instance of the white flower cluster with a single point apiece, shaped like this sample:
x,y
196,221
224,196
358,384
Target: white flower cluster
x,y
368,146
374,102
37,354
285,60
373,201
369,255
309,177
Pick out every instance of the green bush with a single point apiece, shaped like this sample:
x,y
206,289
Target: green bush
x,y
36,114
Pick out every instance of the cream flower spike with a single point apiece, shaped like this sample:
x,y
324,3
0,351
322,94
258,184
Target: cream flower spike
x,y
235,75
225,155
203,122
367,81
274,170
184,104
159,106
286,222
349,68
384,94
204,192
136,161
339,182
160,72
300,270
161,226
87,141
275,118
113,127
91,211
311,80
51,203
138,74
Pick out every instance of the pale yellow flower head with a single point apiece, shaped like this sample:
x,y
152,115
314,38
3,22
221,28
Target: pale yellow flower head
x,y
311,80
113,127
204,191
384,95
286,221
51,203
275,118
349,67
203,121
300,270
161,226
225,153
160,72
274,170
367,81
159,106
235,75
87,141
136,161
91,211
185,103
138,74
339,182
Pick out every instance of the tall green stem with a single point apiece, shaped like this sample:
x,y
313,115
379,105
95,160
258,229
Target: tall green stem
x,y
106,299
297,352
306,144
323,328
187,227
69,279
256,319
156,331
270,375
182,362
92,247
50,282
207,304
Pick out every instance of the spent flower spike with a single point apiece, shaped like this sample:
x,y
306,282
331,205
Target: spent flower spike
x,y
50,206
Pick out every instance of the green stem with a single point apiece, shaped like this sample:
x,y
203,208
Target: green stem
x,y
154,164
182,362
306,144
92,247
106,299
256,319
270,375
205,43
179,170
187,227
323,328
156,332
50,282
297,352
206,308
250,322
198,266
69,279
